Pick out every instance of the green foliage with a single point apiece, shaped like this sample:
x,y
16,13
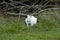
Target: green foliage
x,y
47,28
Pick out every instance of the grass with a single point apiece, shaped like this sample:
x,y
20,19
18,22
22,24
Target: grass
x,y
47,28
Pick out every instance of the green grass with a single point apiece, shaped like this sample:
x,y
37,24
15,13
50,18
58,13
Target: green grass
x,y
47,28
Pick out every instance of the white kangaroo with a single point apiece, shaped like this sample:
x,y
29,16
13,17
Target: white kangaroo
x,y
30,20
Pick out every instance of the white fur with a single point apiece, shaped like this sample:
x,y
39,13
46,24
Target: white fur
x,y
30,20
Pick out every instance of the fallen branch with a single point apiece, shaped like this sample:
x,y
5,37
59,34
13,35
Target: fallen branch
x,y
9,13
44,10
31,14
